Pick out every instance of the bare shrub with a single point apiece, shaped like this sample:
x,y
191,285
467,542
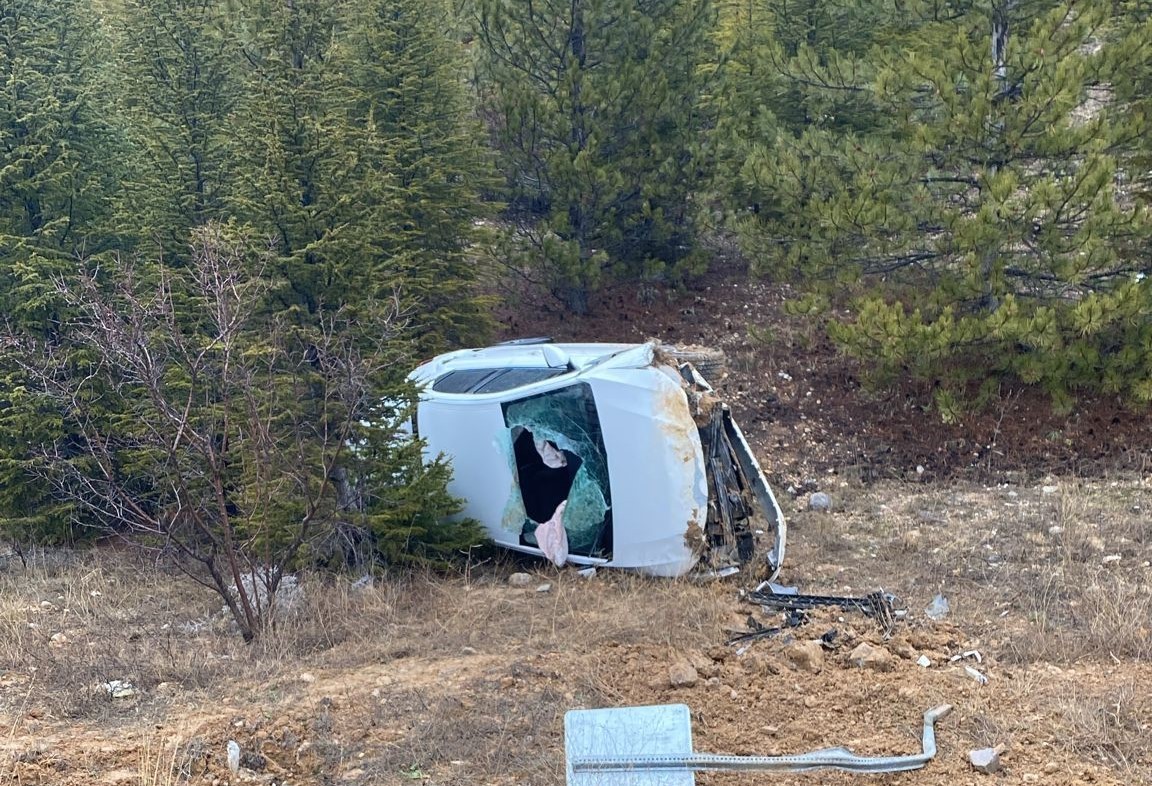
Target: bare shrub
x,y
202,430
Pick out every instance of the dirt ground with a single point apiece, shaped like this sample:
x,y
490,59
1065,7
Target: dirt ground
x,y
1034,528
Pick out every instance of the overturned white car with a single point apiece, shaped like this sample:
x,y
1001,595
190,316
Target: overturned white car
x,y
598,454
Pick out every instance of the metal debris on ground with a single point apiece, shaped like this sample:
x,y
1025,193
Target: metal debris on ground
x,y
652,746
884,607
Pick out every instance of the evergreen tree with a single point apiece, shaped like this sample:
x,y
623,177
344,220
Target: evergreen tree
x,y
364,166
58,161
991,189
597,108
56,151
178,82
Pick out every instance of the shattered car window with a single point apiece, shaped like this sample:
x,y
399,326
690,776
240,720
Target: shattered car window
x,y
555,445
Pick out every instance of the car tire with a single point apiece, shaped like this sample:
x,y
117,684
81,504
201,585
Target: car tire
x,y
711,363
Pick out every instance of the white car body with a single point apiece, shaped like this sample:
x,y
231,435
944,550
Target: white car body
x,y
614,436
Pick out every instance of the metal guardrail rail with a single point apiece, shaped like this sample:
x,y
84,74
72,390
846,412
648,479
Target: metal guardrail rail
x,y
661,740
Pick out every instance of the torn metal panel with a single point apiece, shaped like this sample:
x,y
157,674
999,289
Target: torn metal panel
x,y
652,746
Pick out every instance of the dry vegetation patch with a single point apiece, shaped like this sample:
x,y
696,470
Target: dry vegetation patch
x,y
465,679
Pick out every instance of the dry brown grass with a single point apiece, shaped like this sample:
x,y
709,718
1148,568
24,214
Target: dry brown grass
x,y
468,677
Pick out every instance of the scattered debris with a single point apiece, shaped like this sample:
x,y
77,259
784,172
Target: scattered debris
x,y
720,573
544,588
233,757
820,501
120,689
974,654
976,675
883,606
986,760
923,661
520,579
586,573
938,609
646,758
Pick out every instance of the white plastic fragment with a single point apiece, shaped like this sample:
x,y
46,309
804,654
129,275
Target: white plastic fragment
x,y
120,689
983,680
233,757
586,573
923,661
938,608
974,654
986,760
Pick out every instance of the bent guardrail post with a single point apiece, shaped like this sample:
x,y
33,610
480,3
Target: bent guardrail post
x,y
652,746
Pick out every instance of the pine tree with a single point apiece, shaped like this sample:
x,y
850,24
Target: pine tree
x,y
58,162
178,82
364,166
56,150
597,107
990,190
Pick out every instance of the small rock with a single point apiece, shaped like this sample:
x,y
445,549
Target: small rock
x,y
251,760
586,573
869,656
467,650
1110,559
58,640
923,661
820,501
682,675
307,677
806,655
1049,489
903,649
1051,768
544,588
986,760
1055,530
47,605
520,579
